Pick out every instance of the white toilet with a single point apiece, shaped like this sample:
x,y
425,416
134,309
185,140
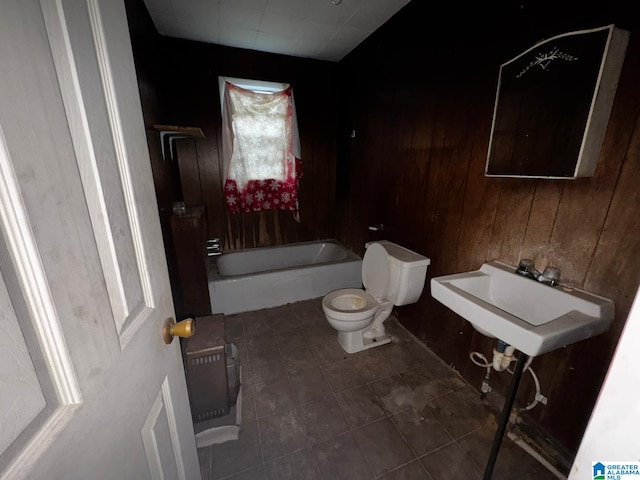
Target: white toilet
x,y
391,275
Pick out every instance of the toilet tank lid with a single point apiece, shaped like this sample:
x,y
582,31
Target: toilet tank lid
x,y
402,256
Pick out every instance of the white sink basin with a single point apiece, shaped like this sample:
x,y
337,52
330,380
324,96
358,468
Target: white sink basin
x,y
531,316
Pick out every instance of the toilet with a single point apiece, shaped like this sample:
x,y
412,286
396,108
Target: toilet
x,y
392,276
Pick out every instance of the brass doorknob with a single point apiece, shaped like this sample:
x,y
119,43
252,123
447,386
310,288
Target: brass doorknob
x,y
184,329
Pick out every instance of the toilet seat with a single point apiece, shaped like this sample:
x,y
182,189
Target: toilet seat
x,y
350,304
356,304
376,271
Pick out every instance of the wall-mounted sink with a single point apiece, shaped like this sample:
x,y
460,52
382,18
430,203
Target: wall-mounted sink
x,y
532,317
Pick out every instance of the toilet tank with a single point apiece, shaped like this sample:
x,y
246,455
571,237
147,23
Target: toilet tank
x,y
408,271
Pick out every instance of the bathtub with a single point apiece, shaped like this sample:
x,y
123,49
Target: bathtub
x,y
256,278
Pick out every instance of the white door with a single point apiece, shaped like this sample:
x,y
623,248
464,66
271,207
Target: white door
x,y
88,389
612,433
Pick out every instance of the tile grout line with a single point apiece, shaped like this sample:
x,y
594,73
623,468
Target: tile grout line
x,y
297,404
253,401
481,467
351,430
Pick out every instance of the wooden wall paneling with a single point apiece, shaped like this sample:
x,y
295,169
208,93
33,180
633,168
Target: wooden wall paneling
x,y
293,232
270,231
346,185
572,378
323,187
406,186
287,227
412,209
512,216
218,215
441,220
317,120
358,216
459,206
608,275
480,208
586,201
188,162
189,234
248,233
374,170
380,178
254,230
437,175
162,173
307,184
542,216
376,166
211,188
413,201
610,270
451,188
369,173
257,229
439,193
399,157
578,224
288,232
233,235
362,181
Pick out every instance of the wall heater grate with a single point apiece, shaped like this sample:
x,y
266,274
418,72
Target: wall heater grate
x,y
206,364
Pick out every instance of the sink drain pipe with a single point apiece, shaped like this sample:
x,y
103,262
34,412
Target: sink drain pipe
x,y
503,356
506,413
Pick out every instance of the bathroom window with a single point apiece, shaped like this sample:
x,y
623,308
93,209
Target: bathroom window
x,y
260,145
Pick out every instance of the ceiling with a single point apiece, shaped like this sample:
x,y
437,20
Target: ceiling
x,y
320,29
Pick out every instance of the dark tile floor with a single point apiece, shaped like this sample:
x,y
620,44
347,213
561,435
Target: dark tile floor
x,y
312,411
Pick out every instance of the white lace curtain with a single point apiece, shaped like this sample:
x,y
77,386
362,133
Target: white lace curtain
x,y
261,150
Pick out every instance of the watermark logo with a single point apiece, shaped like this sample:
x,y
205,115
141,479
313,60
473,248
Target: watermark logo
x,y
615,470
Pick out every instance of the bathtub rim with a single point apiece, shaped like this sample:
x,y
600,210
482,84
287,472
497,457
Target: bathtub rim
x,y
213,274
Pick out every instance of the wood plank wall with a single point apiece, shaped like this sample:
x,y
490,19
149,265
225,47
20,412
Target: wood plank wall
x,y
419,95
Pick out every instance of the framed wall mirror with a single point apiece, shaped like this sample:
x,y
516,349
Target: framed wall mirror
x,y
553,103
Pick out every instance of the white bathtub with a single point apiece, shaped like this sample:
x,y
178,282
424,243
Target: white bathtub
x,y
256,278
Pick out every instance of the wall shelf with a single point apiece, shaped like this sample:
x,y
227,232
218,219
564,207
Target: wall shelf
x,y
171,133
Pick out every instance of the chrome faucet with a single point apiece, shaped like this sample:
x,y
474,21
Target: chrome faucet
x,y
213,247
549,276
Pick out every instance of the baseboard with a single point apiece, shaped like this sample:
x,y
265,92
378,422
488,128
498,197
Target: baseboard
x,y
539,443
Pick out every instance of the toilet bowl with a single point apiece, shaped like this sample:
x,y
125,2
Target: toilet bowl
x,y
392,275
